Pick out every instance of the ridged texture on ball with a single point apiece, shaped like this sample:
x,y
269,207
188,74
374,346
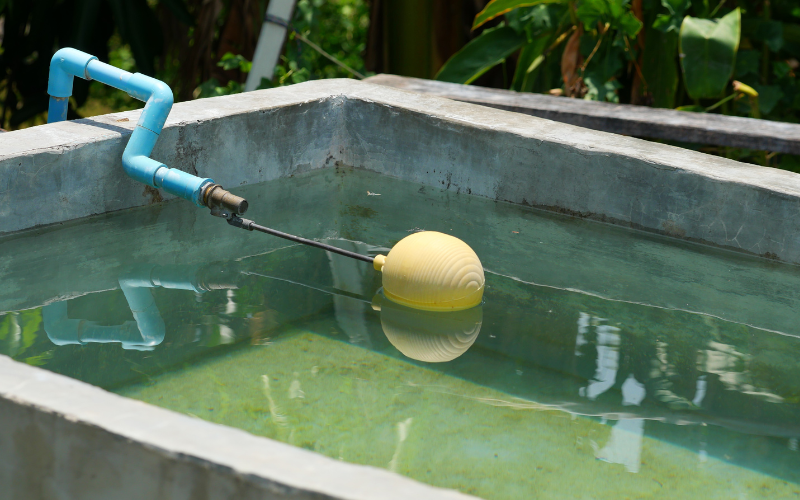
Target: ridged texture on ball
x,y
434,272
425,337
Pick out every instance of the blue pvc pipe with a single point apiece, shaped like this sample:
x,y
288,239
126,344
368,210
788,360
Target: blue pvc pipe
x,y
68,63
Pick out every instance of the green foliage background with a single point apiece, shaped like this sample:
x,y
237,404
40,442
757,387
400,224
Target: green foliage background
x,y
692,55
735,57
140,35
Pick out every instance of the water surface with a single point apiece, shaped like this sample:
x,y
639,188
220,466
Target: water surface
x,y
604,362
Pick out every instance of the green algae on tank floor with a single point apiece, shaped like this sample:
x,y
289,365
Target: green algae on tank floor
x,y
609,362
369,408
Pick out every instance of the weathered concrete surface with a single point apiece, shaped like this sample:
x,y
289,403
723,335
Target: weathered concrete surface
x,y
559,167
64,439
69,170
636,121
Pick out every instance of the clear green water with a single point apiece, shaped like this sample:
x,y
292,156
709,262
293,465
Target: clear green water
x,y
608,364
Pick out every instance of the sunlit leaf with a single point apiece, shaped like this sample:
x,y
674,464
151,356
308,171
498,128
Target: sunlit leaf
x,y
708,53
497,8
230,61
491,48
599,90
692,108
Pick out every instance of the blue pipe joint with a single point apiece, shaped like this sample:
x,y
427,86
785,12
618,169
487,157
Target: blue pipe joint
x,y
157,97
179,183
65,64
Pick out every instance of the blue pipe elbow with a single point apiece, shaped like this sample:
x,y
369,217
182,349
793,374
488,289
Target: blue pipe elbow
x,y
68,63
65,64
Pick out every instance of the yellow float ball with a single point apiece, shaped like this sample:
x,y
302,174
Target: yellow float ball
x,y
432,271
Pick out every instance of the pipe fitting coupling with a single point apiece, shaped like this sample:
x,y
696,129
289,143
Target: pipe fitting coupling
x,y
223,203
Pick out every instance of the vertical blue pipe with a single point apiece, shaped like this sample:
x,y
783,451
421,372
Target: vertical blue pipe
x,y
68,63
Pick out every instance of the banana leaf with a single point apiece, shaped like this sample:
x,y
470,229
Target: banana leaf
x,y
491,48
708,53
497,8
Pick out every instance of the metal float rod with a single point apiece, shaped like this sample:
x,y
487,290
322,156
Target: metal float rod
x,y
249,225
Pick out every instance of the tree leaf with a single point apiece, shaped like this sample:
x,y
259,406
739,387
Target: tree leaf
x,y
692,108
497,8
766,31
530,59
571,60
708,53
139,27
230,61
660,68
535,20
599,90
771,33
628,24
179,10
491,48
768,97
747,62
616,13
671,21
602,72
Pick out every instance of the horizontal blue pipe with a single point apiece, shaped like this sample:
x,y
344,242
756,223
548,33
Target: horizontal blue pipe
x,y
68,63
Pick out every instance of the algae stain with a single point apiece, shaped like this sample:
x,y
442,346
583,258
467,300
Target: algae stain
x,y
153,194
359,211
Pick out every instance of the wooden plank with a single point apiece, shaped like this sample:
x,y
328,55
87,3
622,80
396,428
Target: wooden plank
x,y
625,119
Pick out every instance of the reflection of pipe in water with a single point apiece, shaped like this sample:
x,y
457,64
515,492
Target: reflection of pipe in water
x,y
148,329
429,336
63,331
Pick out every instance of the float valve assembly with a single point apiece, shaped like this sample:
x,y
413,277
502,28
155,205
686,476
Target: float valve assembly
x,y
428,270
68,63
